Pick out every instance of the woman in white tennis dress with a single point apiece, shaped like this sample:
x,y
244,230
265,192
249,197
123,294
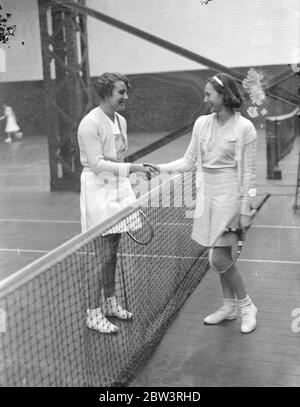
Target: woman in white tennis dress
x,y
11,126
223,148
105,189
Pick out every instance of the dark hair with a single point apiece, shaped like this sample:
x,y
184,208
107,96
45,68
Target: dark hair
x,y
105,83
231,95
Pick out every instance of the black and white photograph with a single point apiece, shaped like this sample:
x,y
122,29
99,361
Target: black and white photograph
x,y
150,196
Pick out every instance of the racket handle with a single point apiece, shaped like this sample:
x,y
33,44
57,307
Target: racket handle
x,y
255,210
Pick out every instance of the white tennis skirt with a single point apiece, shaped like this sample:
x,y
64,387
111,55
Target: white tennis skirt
x,y
102,197
219,200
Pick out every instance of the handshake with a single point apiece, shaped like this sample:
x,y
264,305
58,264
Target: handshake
x,y
149,170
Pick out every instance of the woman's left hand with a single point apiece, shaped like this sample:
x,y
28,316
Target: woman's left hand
x,y
245,222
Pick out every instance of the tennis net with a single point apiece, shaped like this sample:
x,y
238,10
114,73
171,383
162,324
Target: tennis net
x,y
44,338
281,132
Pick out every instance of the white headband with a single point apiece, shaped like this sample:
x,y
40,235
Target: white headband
x,y
218,80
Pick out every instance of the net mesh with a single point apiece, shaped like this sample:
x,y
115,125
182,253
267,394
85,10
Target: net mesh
x,y
281,132
44,338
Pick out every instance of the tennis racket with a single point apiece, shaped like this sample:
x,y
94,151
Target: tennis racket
x,y
140,228
238,246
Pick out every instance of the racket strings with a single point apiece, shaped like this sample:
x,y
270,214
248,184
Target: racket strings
x,y
234,257
140,228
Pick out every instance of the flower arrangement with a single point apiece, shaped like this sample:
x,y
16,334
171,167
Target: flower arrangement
x,y
6,30
252,111
253,83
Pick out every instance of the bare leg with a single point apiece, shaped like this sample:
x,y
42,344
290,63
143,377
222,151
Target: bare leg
x,y
111,307
231,280
109,265
227,291
102,276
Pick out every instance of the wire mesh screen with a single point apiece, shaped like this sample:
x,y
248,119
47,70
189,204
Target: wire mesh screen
x,y
52,309
281,132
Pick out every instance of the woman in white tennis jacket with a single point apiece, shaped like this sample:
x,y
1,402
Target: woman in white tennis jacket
x,y
223,148
105,189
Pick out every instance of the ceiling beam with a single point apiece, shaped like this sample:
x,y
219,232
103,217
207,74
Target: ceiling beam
x,y
285,96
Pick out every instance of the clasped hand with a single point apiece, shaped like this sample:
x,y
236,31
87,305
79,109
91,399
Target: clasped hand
x,y
149,170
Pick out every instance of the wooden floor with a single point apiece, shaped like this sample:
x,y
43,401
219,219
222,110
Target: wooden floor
x,y
194,354
33,221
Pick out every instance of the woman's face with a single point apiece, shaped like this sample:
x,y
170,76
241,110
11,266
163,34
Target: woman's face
x,y
213,98
118,97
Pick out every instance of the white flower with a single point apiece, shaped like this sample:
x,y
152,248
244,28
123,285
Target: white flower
x,y
258,97
252,111
264,111
254,86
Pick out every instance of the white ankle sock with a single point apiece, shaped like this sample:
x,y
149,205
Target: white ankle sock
x,y
245,301
94,312
229,302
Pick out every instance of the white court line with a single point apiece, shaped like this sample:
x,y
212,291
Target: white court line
x,y
21,166
270,261
19,251
159,223
158,256
275,227
193,257
39,221
252,226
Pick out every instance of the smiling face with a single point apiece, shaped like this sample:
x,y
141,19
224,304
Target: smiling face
x,y
213,98
117,99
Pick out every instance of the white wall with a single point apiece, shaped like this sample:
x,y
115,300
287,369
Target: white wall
x,y
231,32
23,62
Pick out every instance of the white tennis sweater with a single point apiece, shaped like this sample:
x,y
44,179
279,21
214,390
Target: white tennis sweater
x,y
246,147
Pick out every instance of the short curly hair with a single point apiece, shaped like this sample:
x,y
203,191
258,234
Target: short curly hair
x,y
105,83
231,94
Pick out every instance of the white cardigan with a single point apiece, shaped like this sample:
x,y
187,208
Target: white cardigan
x,y
105,186
97,144
245,136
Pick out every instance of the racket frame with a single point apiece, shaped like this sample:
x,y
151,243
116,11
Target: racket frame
x,y
141,213
239,234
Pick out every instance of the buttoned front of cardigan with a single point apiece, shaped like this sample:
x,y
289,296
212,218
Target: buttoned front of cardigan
x,y
245,135
97,144
105,186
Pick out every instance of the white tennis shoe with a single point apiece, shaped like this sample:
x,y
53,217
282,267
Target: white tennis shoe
x,y
248,315
97,321
113,309
225,312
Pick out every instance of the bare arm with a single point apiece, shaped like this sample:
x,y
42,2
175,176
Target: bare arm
x,y
248,171
188,161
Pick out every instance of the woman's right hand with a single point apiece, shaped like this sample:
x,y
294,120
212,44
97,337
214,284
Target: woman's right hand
x,y
153,167
147,169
